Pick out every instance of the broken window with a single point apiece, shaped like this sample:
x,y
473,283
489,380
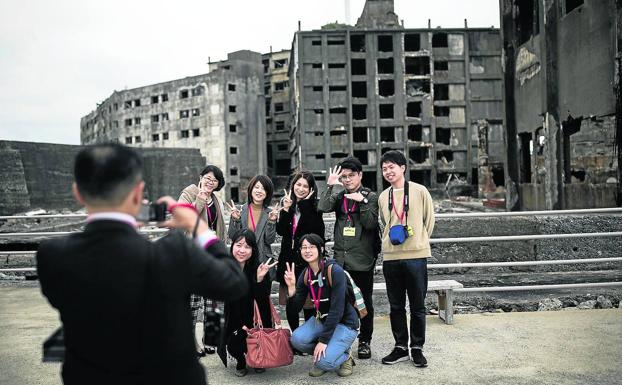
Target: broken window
x,y
155,118
572,4
165,136
183,114
526,148
441,65
165,116
281,63
128,140
281,147
359,135
369,180
320,156
279,125
136,121
269,121
415,87
185,133
316,65
233,150
318,111
155,99
268,104
337,88
266,65
386,87
116,106
441,111
232,108
336,42
357,66
527,21
415,133
127,104
278,107
386,111
136,102
441,92
317,88
196,112
385,43
233,171
231,87
336,65
359,111
137,139
387,134
443,135
196,132
280,86
155,137
266,89
417,65
413,109
412,42
183,94
439,40
445,157
422,177
164,97
418,154
362,156
338,110
233,128
385,66
316,42
198,91
357,43
359,89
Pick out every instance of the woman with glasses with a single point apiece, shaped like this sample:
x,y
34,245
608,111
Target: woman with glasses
x,y
330,333
210,207
298,218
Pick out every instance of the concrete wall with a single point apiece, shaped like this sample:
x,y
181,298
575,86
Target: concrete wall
x,y
39,175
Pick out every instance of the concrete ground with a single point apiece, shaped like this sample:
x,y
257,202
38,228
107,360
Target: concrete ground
x,y
563,347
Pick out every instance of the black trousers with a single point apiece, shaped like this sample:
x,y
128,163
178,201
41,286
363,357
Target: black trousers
x,y
236,346
365,281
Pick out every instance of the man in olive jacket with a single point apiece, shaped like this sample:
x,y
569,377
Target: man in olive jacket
x,y
357,240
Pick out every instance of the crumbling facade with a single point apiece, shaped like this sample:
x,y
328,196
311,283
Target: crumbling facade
x,y
562,103
367,89
221,113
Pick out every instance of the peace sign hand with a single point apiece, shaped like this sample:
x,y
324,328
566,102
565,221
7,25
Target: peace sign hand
x,y
333,176
287,200
290,278
263,269
274,214
235,212
310,194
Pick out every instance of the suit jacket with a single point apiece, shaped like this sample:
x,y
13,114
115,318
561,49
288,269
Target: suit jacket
x,y
265,232
124,302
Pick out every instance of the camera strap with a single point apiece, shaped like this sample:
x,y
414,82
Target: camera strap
x,y
393,207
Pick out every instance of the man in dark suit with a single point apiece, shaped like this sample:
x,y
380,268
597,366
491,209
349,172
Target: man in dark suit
x,y
123,300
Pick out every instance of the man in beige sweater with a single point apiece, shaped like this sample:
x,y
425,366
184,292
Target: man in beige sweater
x,y
407,213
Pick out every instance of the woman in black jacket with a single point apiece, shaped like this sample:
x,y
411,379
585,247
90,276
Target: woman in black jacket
x,y
298,217
239,314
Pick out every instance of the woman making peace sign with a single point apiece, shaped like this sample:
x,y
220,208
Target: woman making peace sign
x,y
298,217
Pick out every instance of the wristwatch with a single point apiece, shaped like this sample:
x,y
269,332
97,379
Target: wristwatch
x,y
365,200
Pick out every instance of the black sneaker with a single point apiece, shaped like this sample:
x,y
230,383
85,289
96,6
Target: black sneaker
x,y
418,358
398,354
364,351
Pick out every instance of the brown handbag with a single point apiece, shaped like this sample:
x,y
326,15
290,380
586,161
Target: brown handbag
x,y
268,347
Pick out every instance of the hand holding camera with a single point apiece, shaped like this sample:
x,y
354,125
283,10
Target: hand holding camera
x,y
183,216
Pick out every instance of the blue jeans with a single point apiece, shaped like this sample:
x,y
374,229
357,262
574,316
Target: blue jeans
x,y
306,337
407,276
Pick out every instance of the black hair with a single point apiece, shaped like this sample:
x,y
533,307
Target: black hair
x,y
106,173
351,163
393,156
267,185
251,240
306,175
217,174
316,241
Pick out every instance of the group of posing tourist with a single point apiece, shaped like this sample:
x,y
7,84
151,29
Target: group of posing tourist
x,y
397,222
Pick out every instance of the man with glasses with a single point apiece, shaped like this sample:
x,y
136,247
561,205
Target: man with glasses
x,y
357,240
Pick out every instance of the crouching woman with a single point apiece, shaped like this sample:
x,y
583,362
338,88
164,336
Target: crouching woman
x,y
239,314
330,333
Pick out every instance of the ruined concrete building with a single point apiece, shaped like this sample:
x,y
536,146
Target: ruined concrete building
x,y
563,103
276,89
377,86
221,113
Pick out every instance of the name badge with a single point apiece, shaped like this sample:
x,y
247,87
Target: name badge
x,y
349,231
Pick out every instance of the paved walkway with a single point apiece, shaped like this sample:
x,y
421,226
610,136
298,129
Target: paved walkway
x,y
565,347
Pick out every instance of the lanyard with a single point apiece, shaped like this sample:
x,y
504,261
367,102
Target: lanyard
x,y
250,211
209,216
348,211
316,300
404,205
400,217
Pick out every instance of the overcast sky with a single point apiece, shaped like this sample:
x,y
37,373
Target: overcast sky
x,y
59,58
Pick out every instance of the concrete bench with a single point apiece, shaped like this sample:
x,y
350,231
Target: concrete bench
x,y
444,290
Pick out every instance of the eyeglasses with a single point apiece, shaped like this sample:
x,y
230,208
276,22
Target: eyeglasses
x,y
210,180
348,176
305,248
